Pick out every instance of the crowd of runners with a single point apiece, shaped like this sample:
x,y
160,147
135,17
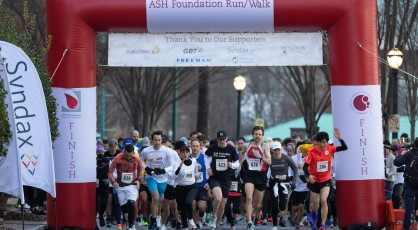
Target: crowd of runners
x,y
196,183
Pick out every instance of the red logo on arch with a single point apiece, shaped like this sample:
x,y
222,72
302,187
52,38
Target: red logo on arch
x,y
361,102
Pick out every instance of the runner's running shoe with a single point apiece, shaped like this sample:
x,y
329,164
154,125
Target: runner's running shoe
x,y
250,226
212,222
153,226
329,223
192,225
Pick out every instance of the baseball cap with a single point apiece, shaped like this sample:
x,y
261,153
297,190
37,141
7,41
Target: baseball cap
x,y
185,148
184,139
221,134
128,141
275,145
145,142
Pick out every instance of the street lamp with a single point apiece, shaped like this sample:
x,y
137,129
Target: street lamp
x,y
395,58
239,85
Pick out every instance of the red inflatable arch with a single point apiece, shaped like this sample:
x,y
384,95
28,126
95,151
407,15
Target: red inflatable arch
x,y
73,25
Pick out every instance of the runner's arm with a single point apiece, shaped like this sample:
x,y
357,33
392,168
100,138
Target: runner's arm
x,y
306,170
170,163
400,160
110,172
343,146
235,164
241,154
208,162
294,169
267,158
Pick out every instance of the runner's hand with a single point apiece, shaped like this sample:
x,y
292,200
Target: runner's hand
x,y
311,179
210,172
115,185
337,133
292,186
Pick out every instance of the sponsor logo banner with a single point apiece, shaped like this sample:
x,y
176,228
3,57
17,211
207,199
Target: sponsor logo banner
x,y
75,147
210,16
357,113
30,124
215,49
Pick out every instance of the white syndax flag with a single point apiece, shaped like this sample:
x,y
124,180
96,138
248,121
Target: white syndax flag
x,y
31,142
11,182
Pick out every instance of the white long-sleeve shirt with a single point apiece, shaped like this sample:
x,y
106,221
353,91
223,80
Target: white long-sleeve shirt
x,y
159,158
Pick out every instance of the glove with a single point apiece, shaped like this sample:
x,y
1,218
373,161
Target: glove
x,y
188,162
149,171
159,171
292,186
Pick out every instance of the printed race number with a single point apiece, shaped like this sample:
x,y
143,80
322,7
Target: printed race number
x,y
199,177
189,176
322,166
234,186
221,164
254,164
127,178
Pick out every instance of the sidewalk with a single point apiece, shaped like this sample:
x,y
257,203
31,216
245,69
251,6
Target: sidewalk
x,y
18,224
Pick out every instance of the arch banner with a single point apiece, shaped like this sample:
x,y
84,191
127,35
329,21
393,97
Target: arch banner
x,y
215,49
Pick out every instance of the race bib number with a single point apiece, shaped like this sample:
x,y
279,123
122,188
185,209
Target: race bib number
x,y
221,164
254,164
322,166
234,186
280,177
199,177
127,178
189,176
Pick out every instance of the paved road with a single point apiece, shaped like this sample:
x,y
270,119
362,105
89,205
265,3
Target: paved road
x,y
241,226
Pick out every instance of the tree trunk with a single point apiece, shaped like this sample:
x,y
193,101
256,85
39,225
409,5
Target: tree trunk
x,y
203,104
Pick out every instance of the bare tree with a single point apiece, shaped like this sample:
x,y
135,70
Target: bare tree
x,y
409,97
203,109
396,26
144,93
309,87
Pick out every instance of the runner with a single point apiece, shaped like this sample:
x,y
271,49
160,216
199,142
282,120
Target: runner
x,y
234,199
278,173
255,162
169,193
300,193
159,164
220,159
317,168
129,171
186,189
113,207
200,204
